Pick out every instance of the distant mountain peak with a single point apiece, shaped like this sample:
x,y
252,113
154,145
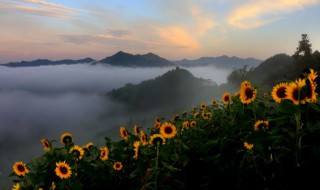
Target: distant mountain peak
x,y
129,60
45,62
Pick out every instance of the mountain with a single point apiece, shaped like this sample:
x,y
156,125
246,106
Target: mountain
x,y
45,62
220,61
177,89
128,60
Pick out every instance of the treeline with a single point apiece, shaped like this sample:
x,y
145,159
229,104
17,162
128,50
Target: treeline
x,y
280,67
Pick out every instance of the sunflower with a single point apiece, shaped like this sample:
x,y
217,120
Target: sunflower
x,y
203,106
260,124
143,138
293,91
311,95
168,130
136,129
312,76
279,92
157,138
265,95
157,125
63,170
123,133
117,166
214,102
53,186
184,113
66,138
16,186
205,115
157,120
248,145
196,115
104,153
193,123
247,93
20,169
185,125
88,146
77,151
226,98
46,144
174,117
136,145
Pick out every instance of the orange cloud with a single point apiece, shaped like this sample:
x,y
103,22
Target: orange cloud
x,y
179,37
257,13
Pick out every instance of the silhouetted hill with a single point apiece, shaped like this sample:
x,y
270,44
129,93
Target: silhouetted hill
x,y
128,60
44,62
220,61
177,89
272,70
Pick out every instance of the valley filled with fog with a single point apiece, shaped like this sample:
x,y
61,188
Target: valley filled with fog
x,y
46,101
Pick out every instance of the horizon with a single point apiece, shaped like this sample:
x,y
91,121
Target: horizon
x,y
229,56
57,30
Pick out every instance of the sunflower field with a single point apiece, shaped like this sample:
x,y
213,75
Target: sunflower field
x,y
246,140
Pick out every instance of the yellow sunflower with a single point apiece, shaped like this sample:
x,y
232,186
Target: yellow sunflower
x,y
136,145
279,92
46,144
143,138
66,138
157,125
117,166
88,146
77,151
104,153
247,93
157,120
157,138
174,117
248,145
226,98
203,106
196,115
311,95
63,170
53,186
214,102
185,125
168,130
20,169
136,129
260,124
293,91
16,186
193,123
312,76
205,115
266,95
123,133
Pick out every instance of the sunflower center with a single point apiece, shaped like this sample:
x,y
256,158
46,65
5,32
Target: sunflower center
x,y
21,168
281,92
157,140
46,144
67,140
249,93
63,170
117,165
226,98
103,153
76,153
125,133
168,130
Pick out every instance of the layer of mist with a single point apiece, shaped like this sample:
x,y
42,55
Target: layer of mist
x,y
47,101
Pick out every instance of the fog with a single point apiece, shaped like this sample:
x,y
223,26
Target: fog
x,y
46,101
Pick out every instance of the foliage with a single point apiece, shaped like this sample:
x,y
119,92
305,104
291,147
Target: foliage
x,y
250,142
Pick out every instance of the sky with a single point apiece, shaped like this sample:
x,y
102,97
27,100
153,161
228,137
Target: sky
x,y
173,29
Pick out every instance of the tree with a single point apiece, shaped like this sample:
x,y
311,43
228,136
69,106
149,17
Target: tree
x,y
304,48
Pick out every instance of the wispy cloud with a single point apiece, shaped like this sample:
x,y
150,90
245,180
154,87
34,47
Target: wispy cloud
x,y
179,37
37,8
255,13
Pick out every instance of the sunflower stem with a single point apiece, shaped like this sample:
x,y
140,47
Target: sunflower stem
x,y
298,139
157,163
